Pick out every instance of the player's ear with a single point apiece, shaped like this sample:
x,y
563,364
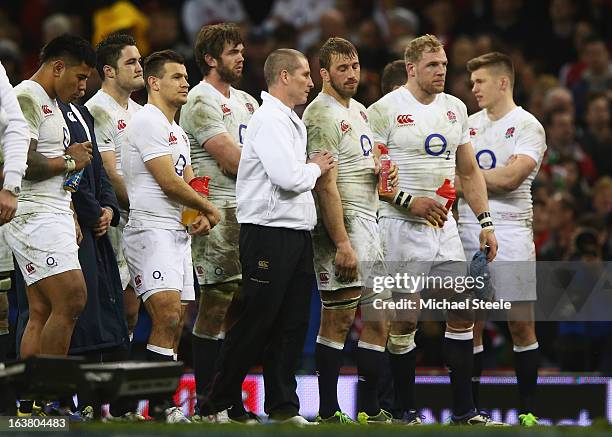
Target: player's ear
x,y
324,74
410,69
108,71
59,66
212,62
153,83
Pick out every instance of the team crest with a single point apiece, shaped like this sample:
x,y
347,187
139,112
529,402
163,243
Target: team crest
x,y
344,126
172,139
250,108
364,116
225,109
121,125
451,117
405,120
473,131
510,132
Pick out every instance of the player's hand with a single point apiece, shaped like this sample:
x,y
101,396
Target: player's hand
x,y
81,153
429,209
103,223
200,226
212,214
79,233
8,206
324,160
487,238
345,263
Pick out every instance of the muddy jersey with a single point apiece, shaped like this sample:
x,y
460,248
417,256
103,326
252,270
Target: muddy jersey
x,y
207,114
346,134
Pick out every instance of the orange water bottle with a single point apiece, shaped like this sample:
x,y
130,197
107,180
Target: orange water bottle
x,y
200,185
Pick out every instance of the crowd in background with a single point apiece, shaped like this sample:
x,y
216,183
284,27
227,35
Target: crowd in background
x,y
561,53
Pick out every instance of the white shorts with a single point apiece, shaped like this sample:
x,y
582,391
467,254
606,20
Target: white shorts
x,y
44,244
513,272
115,235
216,256
159,260
6,256
420,250
365,238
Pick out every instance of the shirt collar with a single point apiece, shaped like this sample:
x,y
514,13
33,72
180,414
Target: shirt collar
x,y
267,97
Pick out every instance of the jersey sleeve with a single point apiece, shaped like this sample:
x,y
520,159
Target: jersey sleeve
x,y
531,141
204,119
379,123
31,112
151,139
323,130
104,128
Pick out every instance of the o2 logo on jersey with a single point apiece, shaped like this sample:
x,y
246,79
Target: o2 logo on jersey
x,y
366,145
121,125
486,159
179,166
435,145
404,120
241,128
66,140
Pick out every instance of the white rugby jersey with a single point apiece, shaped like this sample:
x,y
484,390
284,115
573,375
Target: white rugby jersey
x,y
110,123
206,114
47,126
150,136
422,141
346,134
516,133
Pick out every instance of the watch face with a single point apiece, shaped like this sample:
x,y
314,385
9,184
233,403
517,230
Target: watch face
x,y
17,190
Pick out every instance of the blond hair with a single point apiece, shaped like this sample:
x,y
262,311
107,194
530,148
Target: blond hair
x,y
423,44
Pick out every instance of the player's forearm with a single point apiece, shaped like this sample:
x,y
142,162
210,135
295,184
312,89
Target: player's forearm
x,y
330,205
180,192
475,191
120,189
41,167
500,180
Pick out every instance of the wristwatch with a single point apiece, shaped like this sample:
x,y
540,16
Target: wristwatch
x,y
15,190
69,163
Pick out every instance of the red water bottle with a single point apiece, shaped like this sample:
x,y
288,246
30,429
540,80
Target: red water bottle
x,y
200,185
384,184
448,192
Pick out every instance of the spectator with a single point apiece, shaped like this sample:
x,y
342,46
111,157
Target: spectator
x,y
602,197
562,213
597,76
597,136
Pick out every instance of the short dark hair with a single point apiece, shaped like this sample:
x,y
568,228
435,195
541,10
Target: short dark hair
x,y
335,46
109,50
211,40
279,60
155,62
393,75
493,59
72,49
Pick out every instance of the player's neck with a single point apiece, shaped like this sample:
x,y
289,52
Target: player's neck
x,y
45,80
419,93
120,95
500,108
218,84
280,94
168,110
330,91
